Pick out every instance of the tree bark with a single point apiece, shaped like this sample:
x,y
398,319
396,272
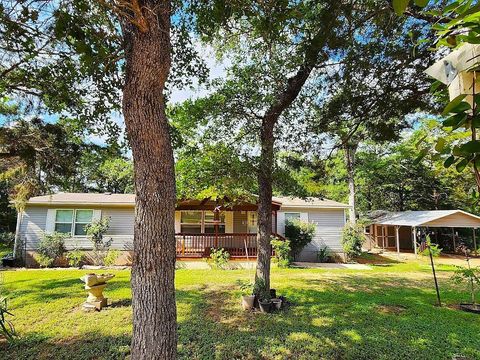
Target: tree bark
x,y
147,51
350,150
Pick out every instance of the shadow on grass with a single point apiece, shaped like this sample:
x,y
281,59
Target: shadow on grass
x,y
345,317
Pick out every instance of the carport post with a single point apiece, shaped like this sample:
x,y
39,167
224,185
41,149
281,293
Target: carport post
x,y
414,229
474,243
453,238
397,239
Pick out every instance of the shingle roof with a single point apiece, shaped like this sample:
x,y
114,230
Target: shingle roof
x,y
310,202
129,199
84,198
416,218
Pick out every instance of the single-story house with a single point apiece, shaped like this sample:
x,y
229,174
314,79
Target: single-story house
x,y
199,224
400,231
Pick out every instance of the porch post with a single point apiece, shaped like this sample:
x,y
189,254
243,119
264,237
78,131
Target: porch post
x,y
474,242
414,230
397,238
216,219
383,237
453,239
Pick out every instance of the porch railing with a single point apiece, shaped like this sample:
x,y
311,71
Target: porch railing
x,y
199,245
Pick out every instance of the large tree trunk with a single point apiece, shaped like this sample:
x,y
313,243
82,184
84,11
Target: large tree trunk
x,y
265,202
147,50
350,151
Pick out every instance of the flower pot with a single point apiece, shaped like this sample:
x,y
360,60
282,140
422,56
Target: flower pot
x,y
473,308
265,306
277,304
248,302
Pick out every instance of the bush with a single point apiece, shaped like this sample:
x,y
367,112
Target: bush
x,y
282,252
352,240
111,257
76,258
436,251
50,248
7,239
219,258
300,233
324,254
96,232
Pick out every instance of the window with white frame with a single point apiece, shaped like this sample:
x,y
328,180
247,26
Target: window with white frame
x,y
289,216
198,222
73,221
209,223
191,222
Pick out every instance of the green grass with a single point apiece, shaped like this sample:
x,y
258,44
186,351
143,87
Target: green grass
x,y
384,313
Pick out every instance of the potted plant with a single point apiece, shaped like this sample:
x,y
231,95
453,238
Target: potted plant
x,y
472,277
263,296
248,299
277,303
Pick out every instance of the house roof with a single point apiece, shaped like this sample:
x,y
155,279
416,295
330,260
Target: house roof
x,y
129,199
310,202
433,218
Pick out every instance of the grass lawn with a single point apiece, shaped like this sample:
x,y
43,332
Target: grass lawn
x,y
384,313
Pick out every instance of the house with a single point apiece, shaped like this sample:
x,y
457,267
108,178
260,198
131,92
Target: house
x,y
400,231
199,225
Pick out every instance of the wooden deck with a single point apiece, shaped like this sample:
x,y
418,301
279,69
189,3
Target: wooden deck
x,y
238,245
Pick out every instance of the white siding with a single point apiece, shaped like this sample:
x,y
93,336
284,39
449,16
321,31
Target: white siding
x,y
34,224
329,222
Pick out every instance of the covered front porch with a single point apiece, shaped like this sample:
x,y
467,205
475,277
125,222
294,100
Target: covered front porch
x,y
201,225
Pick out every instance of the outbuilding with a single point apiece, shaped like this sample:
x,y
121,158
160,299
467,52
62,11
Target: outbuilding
x,y
400,231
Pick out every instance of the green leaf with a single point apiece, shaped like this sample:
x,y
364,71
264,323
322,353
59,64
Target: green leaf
x,y
462,165
400,6
471,147
455,121
440,144
449,161
421,3
420,156
452,104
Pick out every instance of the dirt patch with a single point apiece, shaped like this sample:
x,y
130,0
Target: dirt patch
x,y
391,309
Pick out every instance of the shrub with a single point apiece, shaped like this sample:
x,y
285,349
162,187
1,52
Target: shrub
x,y
7,238
76,258
260,290
469,275
111,257
50,248
96,232
246,287
219,258
434,248
324,254
282,252
300,233
352,240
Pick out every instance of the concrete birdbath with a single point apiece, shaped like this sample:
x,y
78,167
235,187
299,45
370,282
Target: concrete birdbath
x,y
95,284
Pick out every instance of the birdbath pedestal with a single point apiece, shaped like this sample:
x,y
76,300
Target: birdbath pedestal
x,y
95,284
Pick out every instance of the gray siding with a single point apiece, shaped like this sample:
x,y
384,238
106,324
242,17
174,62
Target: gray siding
x,y
32,226
330,223
34,220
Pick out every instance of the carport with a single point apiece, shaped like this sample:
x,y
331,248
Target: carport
x,y
399,230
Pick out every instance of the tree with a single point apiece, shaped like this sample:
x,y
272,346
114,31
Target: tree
x,y
378,83
284,44
81,57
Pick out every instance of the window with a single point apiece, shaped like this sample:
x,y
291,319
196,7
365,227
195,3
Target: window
x,y
63,221
252,222
72,221
291,216
209,223
82,218
191,222
198,222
